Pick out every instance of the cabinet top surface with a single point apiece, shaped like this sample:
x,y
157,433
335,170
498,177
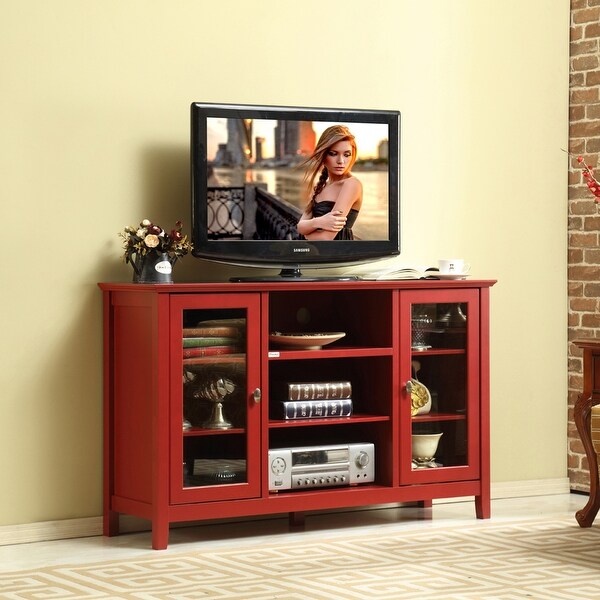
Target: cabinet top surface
x,y
262,286
593,343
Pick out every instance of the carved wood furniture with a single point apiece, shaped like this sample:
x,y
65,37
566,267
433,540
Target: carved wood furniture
x,y
589,398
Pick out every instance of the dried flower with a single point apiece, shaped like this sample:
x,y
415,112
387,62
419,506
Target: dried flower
x,y
149,237
151,240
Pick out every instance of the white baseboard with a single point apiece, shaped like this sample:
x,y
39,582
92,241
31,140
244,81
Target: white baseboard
x,y
50,530
520,489
534,487
92,526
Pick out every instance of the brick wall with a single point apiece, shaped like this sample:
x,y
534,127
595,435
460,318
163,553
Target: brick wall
x,y
584,216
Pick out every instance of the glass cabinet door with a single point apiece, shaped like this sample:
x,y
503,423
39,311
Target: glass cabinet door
x,y
439,440
215,397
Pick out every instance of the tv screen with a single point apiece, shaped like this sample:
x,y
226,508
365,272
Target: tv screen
x,y
288,186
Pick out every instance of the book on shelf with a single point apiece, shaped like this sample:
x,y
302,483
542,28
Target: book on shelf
x,y
213,331
210,351
239,322
319,390
403,273
235,364
316,409
203,341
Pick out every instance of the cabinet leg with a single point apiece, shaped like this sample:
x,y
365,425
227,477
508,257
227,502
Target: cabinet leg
x,y
483,507
425,503
296,519
160,536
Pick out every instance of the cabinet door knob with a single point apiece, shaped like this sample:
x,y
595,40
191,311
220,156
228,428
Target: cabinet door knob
x,y
257,395
409,386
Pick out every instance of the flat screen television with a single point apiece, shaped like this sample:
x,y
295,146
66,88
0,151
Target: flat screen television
x,y
249,190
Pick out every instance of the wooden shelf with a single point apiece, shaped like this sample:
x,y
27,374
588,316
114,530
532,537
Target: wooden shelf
x,y
200,431
438,352
328,421
337,352
439,417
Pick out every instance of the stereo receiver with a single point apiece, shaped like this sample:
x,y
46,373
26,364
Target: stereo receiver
x,y
321,466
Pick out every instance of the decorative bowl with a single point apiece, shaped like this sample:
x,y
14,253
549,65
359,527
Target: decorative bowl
x,y
304,341
424,446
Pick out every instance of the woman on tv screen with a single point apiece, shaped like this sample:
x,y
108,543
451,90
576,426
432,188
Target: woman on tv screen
x,y
336,197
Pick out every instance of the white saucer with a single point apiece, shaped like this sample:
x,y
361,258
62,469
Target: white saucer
x,y
452,275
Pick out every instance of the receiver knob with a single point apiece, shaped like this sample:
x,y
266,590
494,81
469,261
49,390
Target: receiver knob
x,y
362,460
278,465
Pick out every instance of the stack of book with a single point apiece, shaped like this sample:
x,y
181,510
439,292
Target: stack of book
x,y
213,338
317,400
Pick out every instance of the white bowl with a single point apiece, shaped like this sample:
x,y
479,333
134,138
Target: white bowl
x,y
424,446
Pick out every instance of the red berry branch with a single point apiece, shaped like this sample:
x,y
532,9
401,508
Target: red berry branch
x,y
591,181
588,174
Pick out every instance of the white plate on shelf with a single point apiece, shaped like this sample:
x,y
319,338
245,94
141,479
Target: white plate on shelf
x,y
452,275
304,341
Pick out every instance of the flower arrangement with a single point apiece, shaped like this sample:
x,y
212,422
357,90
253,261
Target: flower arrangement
x,y
151,238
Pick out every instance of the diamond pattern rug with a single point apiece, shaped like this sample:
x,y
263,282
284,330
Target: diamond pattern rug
x,y
545,559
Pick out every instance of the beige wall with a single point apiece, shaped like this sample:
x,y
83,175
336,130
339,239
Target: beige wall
x,y
95,125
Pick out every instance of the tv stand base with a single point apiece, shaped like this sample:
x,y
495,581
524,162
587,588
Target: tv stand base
x,y
292,274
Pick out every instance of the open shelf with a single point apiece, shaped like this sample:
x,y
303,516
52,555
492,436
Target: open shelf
x,y
337,352
274,423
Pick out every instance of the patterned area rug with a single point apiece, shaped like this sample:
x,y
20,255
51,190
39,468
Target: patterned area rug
x,y
551,559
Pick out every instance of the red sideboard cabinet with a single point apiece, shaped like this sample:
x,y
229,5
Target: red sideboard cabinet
x,y
196,376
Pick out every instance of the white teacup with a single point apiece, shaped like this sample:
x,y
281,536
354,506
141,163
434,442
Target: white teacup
x,y
453,266
424,446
